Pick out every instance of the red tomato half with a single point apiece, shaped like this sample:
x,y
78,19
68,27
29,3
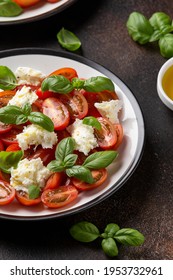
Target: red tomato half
x,y
54,181
24,199
5,127
99,176
5,97
46,155
46,94
107,136
26,3
1,146
10,137
67,72
13,147
59,197
7,193
120,135
57,112
76,104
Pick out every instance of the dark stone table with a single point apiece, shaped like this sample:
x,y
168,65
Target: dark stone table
x,y
145,201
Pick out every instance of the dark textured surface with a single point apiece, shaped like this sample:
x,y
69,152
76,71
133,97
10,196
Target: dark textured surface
x,y
145,201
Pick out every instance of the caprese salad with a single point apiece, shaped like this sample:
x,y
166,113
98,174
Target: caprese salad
x,y
58,135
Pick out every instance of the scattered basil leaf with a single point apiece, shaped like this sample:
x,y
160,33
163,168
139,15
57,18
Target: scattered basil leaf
x,y
7,78
109,246
99,160
139,28
92,121
9,8
166,45
65,147
111,229
27,109
159,21
97,84
41,120
77,83
68,40
56,166
9,159
33,192
80,172
10,114
84,232
57,83
70,160
129,236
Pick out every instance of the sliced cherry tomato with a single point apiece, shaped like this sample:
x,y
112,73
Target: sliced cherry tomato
x,y
5,127
52,1
10,137
1,146
120,135
26,3
107,136
59,197
57,111
99,176
62,134
46,155
67,72
54,181
4,176
76,103
7,193
107,95
5,97
24,199
46,94
13,147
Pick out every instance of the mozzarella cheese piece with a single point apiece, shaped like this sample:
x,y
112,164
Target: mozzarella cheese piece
x,y
27,75
29,172
36,135
83,135
23,96
110,109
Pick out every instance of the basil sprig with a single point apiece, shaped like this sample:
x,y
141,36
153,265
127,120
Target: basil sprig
x,y
88,232
62,85
33,192
9,8
12,114
9,159
157,28
65,160
7,78
68,40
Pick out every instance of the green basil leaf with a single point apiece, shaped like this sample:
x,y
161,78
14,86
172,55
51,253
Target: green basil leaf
x,y
139,28
80,172
9,114
27,109
84,232
7,78
41,120
92,121
68,40
65,147
9,159
9,8
77,83
21,119
97,84
99,160
109,246
159,20
157,34
33,191
111,229
70,160
56,166
166,45
129,236
57,83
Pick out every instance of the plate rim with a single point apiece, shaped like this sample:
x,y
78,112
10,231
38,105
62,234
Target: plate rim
x,y
41,16
140,123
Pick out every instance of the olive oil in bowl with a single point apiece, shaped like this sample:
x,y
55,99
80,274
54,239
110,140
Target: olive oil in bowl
x,y
167,82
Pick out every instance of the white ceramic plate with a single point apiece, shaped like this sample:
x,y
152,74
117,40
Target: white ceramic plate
x,y
131,118
37,12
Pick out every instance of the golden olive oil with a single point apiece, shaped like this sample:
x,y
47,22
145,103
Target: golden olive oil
x,y
167,82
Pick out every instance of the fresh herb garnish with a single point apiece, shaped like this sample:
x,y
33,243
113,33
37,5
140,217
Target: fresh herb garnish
x,y
33,192
9,8
92,121
66,159
9,159
157,28
12,114
68,40
62,85
88,232
7,78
